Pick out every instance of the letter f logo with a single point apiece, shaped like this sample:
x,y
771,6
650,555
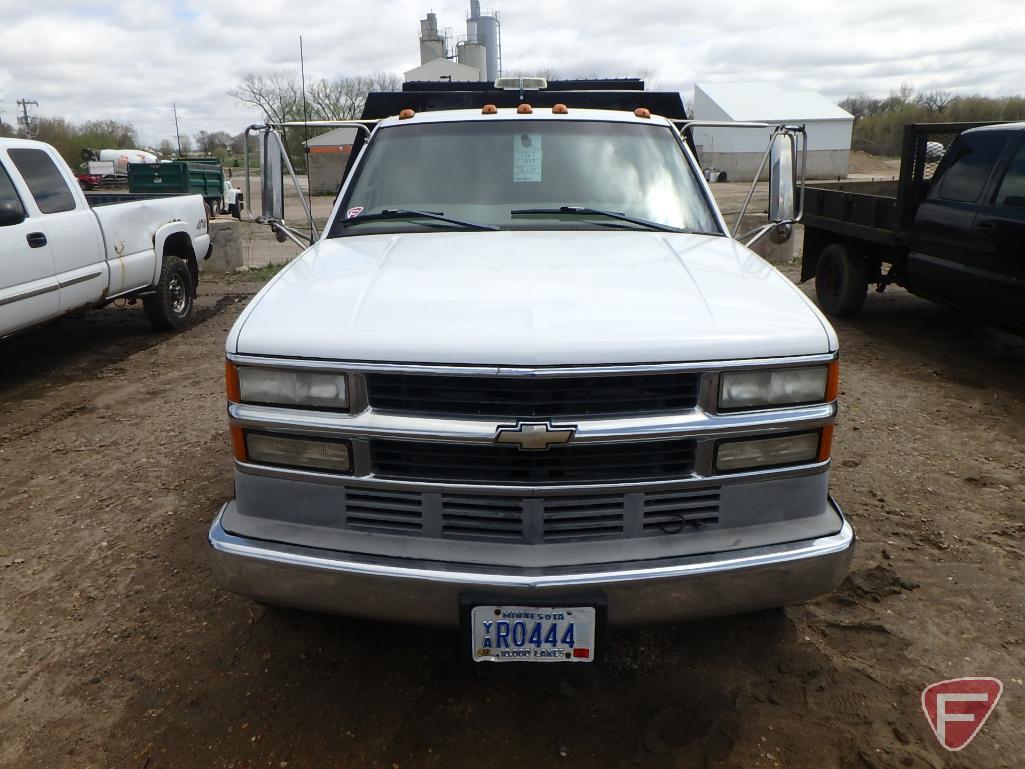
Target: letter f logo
x,y
957,709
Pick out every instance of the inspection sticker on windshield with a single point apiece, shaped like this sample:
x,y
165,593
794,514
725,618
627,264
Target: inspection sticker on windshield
x,y
532,633
527,158
354,211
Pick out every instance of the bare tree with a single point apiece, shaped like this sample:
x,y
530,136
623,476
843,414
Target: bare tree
x,y
213,142
936,101
859,104
166,149
344,98
278,95
905,93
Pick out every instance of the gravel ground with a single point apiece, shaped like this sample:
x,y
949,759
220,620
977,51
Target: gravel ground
x,y
117,650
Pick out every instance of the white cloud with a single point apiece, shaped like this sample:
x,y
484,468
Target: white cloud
x,y
130,59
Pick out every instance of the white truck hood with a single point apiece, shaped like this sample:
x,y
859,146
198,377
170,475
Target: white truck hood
x,y
530,298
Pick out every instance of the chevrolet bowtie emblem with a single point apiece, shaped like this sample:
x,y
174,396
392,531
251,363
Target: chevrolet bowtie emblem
x,y
535,436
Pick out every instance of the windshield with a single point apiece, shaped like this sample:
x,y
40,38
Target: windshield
x,y
518,174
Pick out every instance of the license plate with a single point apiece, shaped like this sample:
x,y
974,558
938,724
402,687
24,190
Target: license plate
x,y
532,633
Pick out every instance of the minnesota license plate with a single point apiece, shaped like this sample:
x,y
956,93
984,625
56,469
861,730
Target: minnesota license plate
x,y
532,633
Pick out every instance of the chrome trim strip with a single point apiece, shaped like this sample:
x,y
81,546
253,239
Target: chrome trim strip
x,y
369,481
521,371
29,294
327,561
80,279
691,424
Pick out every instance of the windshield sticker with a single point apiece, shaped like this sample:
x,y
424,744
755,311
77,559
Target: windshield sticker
x,y
354,211
527,158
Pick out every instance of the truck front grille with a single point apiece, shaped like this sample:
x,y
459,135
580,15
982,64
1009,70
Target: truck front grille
x,y
566,464
530,520
561,397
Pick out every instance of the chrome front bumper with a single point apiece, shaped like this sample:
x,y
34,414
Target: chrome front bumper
x,y
428,592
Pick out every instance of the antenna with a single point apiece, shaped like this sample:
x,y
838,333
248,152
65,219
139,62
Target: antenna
x,y
306,118
177,133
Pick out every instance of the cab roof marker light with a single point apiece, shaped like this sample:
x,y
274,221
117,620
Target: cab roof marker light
x,y
489,109
524,109
560,109
406,114
642,112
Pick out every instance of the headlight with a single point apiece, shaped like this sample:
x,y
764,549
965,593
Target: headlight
x,y
303,389
773,387
294,451
767,452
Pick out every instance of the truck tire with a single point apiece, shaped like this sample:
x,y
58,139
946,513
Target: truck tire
x,y
170,307
841,281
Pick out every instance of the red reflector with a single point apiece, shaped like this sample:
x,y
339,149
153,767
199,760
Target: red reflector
x,y
581,652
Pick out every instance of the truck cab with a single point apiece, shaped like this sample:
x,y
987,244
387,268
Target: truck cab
x,y
63,251
526,381
951,228
968,239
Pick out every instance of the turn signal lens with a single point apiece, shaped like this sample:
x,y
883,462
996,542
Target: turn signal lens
x,y
761,453
231,382
308,453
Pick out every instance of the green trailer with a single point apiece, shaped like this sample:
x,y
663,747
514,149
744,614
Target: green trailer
x,y
201,176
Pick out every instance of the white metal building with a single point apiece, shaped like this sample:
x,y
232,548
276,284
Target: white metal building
x,y
442,69
739,151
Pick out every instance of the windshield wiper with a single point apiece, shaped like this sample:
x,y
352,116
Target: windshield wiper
x,y
402,213
582,211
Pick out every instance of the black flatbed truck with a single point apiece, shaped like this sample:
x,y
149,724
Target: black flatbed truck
x,y
950,228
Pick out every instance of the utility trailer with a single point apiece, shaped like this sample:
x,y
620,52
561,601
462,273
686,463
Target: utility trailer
x,y
951,227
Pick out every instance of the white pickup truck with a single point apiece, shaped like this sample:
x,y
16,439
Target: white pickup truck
x,y
526,382
62,251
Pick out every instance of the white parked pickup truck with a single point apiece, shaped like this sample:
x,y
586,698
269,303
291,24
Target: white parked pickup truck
x,y
526,382
62,250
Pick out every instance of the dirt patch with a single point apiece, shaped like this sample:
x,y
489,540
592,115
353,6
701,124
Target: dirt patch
x,y
864,163
117,650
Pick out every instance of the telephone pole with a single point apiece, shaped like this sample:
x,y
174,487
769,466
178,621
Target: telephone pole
x,y
177,133
24,120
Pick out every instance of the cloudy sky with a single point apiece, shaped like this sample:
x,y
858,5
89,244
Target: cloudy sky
x,y
130,59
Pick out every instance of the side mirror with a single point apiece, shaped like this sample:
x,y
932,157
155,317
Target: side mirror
x,y
782,182
11,213
272,181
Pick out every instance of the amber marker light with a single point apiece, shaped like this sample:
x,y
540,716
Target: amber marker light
x,y
833,381
524,109
238,443
832,391
826,443
231,385
406,114
642,112
560,109
489,109
234,393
